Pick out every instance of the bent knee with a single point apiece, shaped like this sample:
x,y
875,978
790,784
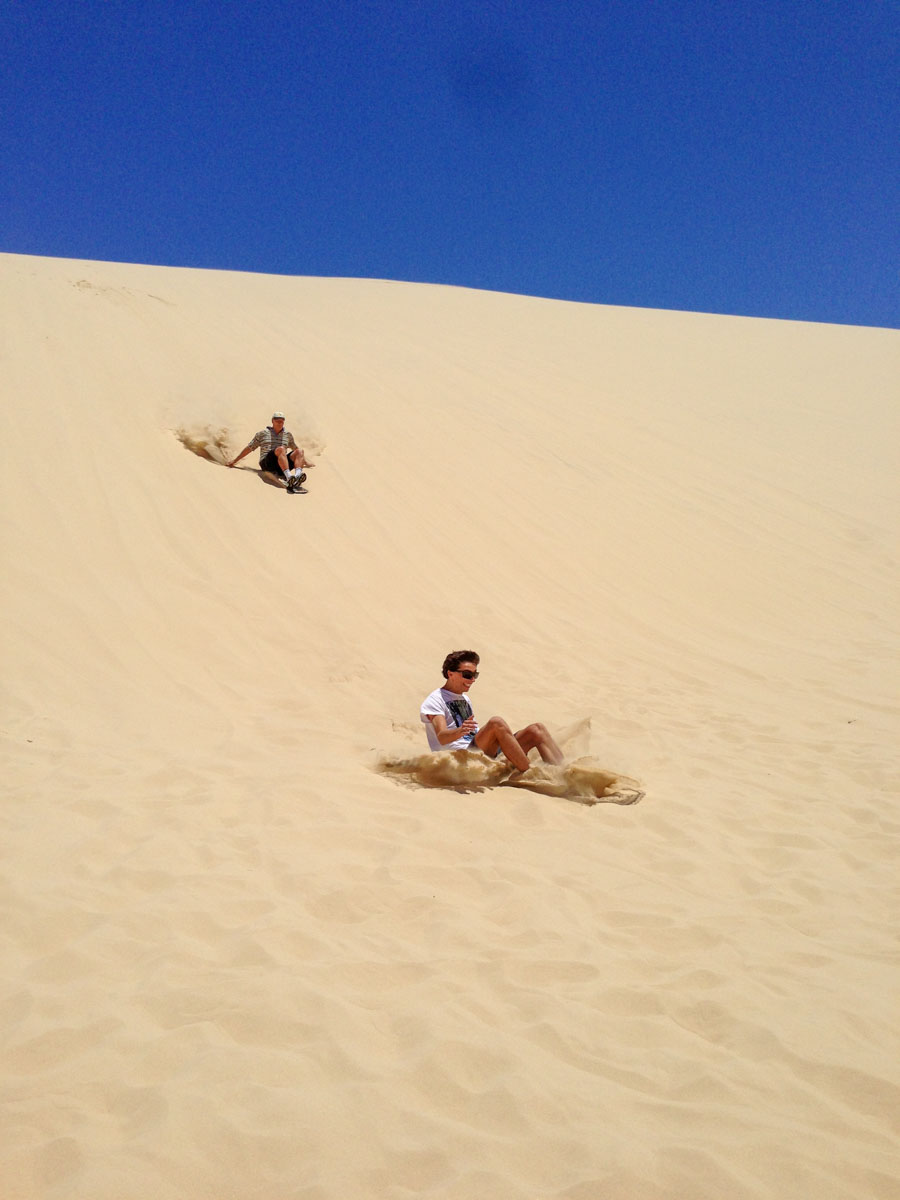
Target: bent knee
x,y
538,731
494,724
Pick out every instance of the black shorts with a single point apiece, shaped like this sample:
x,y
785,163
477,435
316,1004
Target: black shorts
x,y
270,463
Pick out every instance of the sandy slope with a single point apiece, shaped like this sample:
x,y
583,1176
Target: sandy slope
x,y
242,963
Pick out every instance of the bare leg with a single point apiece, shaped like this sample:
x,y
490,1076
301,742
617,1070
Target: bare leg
x,y
496,733
281,455
537,735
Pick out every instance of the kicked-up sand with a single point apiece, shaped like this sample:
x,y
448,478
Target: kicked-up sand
x,y
257,944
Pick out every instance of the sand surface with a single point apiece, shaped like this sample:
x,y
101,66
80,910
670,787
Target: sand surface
x,y
242,964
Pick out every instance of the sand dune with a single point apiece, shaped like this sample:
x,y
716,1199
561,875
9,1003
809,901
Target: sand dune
x,y
241,961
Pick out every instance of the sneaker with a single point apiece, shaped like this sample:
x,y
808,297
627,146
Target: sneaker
x,y
290,481
301,477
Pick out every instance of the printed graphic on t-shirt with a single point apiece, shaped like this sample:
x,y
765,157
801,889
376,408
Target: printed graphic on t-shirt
x,y
460,710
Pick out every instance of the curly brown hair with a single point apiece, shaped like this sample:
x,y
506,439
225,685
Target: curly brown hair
x,y
456,657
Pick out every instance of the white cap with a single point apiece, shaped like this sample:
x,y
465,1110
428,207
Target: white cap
x,y
277,416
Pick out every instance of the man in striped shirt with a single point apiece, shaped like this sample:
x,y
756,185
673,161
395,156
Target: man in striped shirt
x,y
278,452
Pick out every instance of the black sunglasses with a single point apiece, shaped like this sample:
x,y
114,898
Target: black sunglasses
x,y
468,674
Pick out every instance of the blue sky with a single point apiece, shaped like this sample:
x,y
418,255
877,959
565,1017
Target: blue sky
x,y
689,154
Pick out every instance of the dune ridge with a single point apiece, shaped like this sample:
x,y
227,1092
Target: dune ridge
x,y
241,962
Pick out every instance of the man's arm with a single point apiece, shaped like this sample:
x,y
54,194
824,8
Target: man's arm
x,y
304,461
255,441
246,450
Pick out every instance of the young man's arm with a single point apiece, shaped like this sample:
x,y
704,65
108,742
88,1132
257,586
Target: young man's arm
x,y
450,733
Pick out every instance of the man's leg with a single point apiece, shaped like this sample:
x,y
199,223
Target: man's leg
x,y
497,733
537,735
283,462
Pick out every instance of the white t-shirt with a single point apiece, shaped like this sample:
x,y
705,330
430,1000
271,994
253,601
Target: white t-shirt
x,y
454,708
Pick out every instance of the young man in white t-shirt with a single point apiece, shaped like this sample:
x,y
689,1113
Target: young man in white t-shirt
x,y
450,723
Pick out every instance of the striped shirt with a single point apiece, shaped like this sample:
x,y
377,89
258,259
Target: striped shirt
x,y
267,439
